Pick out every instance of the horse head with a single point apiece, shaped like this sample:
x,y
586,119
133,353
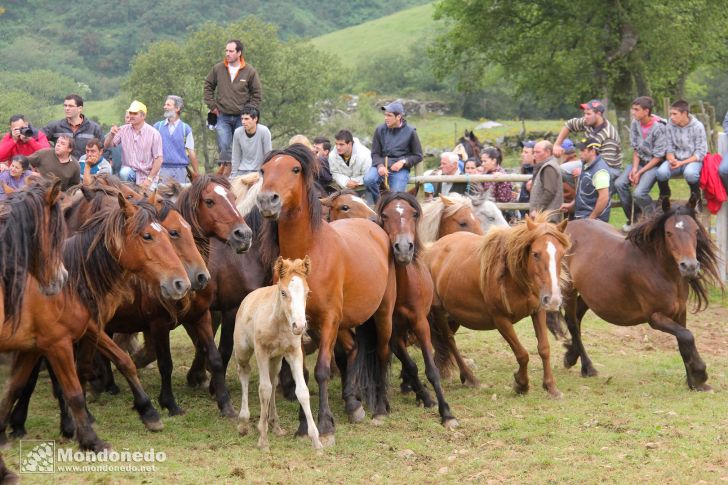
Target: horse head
x,y
546,250
681,236
487,212
346,204
457,215
293,290
398,214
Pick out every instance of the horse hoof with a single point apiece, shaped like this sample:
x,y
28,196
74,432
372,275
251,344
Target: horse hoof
x,y
264,448
520,388
280,432
176,411
705,388
357,416
570,361
589,372
5,445
378,420
154,426
327,440
243,429
556,394
451,424
227,411
471,382
18,433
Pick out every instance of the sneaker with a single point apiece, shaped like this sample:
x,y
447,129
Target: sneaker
x,y
627,227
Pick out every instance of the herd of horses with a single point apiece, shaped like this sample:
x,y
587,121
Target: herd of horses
x,y
107,259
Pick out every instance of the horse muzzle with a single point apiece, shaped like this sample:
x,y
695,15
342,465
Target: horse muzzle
x,y
404,249
550,302
298,328
269,204
241,238
199,277
689,268
174,288
57,283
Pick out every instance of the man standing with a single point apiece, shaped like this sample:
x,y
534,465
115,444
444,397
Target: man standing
x,y
251,142
648,138
592,194
595,126
547,190
75,125
349,162
178,144
237,85
448,166
141,146
58,161
396,149
22,139
687,145
322,149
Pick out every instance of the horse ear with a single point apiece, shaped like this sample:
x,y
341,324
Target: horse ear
x,y
326,201
153,198
307,265
693,200
561,226
193,175
446,201
666,203
125,205
7,189
54,192
529,223
278,267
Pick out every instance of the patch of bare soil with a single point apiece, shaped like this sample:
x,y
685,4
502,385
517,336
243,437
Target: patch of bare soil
x,y
710,328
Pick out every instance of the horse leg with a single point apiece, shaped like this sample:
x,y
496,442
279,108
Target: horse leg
x,y
19,414
345,360
197,375
142,403
205,341
226,336
574,315
146,355
544,350
159,331
60,357
422,332
694,365
322,372
265,390
20,376
273,421
383,322
295,361
410,373
7,477
505,327
68,425
243,353
445,328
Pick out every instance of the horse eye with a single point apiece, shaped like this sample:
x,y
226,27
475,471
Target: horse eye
x,y
296,169
147,237
385,217
209,202
261,171
536,255
463,224
283,294
173,233
345,207
416,215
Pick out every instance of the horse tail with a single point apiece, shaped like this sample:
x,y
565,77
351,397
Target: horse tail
x,y
554,322
367,368
444,359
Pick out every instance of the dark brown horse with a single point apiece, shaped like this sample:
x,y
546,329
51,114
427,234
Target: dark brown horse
x,y
646,277
398,214
352,277
100,257
493,281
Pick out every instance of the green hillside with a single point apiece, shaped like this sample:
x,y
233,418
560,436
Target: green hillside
x,y
396,32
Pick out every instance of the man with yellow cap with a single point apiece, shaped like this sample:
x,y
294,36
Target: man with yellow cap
x,y
141,146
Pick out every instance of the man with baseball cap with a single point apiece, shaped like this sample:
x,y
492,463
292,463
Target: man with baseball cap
x,y
592,192
141,146
396,149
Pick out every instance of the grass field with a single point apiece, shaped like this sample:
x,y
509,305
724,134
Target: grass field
x,y
384,35
636,422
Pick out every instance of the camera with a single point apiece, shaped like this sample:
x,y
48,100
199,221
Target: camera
x,y
28,131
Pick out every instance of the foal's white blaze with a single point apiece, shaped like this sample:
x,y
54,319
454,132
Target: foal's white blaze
x,y
298,305
680,225
220,190
362,202
555,290
156,226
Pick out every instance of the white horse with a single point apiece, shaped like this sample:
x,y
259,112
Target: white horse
x,y
270,323
487,212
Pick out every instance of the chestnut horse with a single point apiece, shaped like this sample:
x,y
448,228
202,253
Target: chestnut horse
x,y
346,204
446,215
100,258
493,281
352,277
646,277
398,214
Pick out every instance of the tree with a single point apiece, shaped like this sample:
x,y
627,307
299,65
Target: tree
x,y
563,50
295,76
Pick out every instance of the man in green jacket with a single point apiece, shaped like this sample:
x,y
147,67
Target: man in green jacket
x,y
231,85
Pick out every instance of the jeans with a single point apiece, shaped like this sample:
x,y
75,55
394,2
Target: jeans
x,y
397,181
641,194
691,172
128,174
226,126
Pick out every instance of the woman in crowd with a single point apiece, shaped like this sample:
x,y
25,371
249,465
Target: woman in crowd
x,y
491,159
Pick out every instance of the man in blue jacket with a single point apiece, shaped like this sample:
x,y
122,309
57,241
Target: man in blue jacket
x,y
396,149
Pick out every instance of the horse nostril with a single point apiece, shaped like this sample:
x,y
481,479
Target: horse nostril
x,y
179,285
202,278
411,246
545,299
274,198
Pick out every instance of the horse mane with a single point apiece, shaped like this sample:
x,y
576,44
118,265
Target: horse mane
x,y
434,211
649,237
504,254
246,188
22,238
335,195
93,272
389,197
270,247
189,201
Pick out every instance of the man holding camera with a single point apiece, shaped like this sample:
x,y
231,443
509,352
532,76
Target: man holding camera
x,y
22,139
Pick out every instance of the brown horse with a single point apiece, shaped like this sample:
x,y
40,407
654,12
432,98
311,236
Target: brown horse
x,y
352,277
447,215
398,214
346,204
493,281
100,258
645,277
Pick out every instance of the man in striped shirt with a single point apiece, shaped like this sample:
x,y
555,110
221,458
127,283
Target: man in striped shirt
x,y
598,128
141,146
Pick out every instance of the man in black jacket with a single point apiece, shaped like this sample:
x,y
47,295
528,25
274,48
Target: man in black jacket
x,y
74,125
396,149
